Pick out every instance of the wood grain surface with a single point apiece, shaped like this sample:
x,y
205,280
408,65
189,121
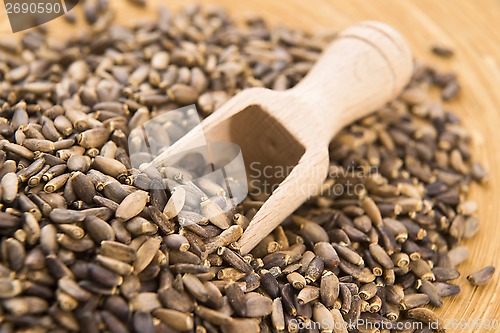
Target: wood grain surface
x,y
472,29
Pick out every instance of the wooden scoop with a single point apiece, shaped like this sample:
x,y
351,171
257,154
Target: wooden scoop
x,y
365,67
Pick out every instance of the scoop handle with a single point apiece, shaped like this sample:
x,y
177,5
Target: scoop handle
x,y
366,66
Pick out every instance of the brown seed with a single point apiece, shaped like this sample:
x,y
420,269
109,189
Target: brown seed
x,y
212,316
75,245
59,215
9,184
99,229
118,251
346,296
176,300
166,225
31,170
296,280
257,305
381,256
411,301
445,273
339,324
31,227
39,87
72,288
145,302
48,239
79,163
132,205
394,294
481,277
308,294
442,51
277,315
236,298
426,316
276,259
327,252
54,171
176,242
63,125
83,186
72,230
143,322
478,173
430,290
329,288
266,246
349,254
245,325
367,291
182,94
235,260
9,288
146,253
397,228
214,214
103,276
110,167
18,150
25,305
36,178
228,236
14,253
56,183
372,211
323,316
45,146
138,226
294,252
314,269
422,269
450,90
57,268
195,287
312,230
269,283
400,259
112,322
115,265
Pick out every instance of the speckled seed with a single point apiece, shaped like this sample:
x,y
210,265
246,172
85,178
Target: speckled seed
x,y
182,94
214,214
132,205
146,253
329,288
82,185
308,294
426,316
381,256
110,167
9,185
481,277
78,163
175,203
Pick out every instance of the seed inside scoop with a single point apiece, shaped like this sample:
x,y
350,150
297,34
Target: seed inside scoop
x,y
92,242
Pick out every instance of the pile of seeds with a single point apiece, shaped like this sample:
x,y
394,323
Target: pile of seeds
x,y
90,244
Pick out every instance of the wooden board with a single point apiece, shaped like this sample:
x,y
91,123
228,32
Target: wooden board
x,y
472,29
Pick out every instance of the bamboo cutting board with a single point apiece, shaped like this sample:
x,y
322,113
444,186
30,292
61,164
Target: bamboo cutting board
x,y
472,29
